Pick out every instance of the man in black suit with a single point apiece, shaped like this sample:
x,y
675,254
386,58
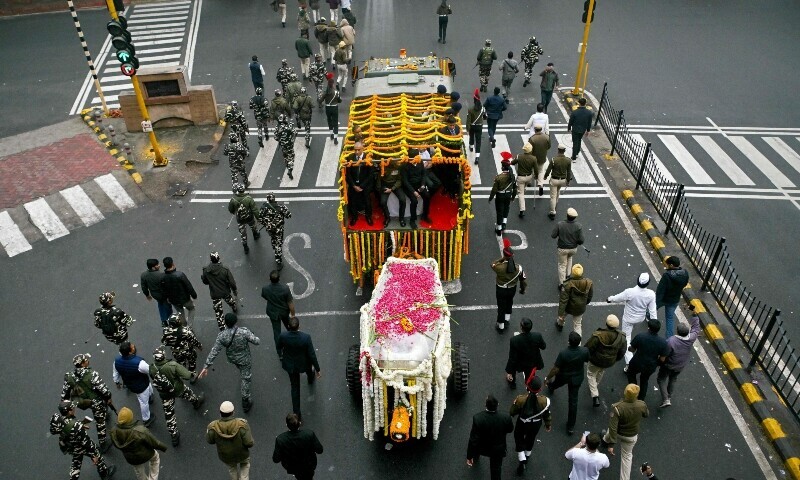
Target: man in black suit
x,y
360,184
580,122
568,370
280,304
488,437
297,355
524,353
297,449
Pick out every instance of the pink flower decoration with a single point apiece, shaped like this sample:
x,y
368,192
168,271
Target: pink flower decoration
x,y
408,292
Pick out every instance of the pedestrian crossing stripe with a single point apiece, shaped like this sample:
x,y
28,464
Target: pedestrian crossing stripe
x,y
725,162
686,160
791,157
761,162
662,169
300,154
11,237
329,166
83,205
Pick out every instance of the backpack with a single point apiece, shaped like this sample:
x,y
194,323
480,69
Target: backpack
x,y
161,383
80,390
107,323
63,437
486,56
243,214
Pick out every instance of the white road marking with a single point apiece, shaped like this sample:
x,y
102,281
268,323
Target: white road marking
x,y
137,28
198,8
161,42
791,157
725,163
148,51
136,22
165,13
761,162
11,237
580,168
300,155
501,142
115,192
258,173
83,205
329,165
686,160
142,60
46,219
258,191
661,167
475,172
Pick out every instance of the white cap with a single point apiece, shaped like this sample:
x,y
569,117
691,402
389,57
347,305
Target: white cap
x,y
571,212
226,407
561,146
644,279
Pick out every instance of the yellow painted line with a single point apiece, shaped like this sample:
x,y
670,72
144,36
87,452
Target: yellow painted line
x,y
113,151
688,286
609,157
780,399
128,166
136,177
646,225
712,332
102,136
657,243
698,306
90,123
122,159
626,194
793,466
750,393
730,361
773,429
636,209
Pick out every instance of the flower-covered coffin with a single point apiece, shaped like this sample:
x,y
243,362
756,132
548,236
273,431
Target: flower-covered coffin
x,y
405,346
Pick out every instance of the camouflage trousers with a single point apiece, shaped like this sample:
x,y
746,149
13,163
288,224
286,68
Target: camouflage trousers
x,y
186,358
483,74
237,168
529,71
305,124
243,232
276,236
246,375
119,336
288,156
77,463
263,130
219,314
169,410
100,411
320,93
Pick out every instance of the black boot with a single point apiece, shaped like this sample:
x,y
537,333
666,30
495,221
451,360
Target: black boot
x,y
521,467
289,173
246,248
110,471
176,439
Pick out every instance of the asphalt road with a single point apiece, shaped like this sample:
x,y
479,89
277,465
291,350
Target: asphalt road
x,y
55,287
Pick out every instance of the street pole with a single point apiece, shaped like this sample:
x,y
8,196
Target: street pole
x,y
159,160
585,76
576,89
88,55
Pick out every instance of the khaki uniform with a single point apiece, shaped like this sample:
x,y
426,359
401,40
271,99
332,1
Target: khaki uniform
x,y
527,168
561,168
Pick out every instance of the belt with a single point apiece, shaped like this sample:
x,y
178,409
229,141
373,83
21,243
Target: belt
x,y
442,16
510,286
562,178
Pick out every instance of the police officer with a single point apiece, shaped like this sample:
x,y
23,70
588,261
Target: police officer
x,y
258,104
244,208
183,341
391,182
317,72
530,55
332,99
234,116
304,108
167,377
509,274
504,188
285,134
486,57
87,389
235,151
112,321
221,285
292,89
527,170
283,76
360,179
236,340
561,168
74,440
531,410
273,216
279,105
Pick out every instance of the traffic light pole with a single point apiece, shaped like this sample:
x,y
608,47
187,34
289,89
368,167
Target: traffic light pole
x,y
159,160
88,55
577,90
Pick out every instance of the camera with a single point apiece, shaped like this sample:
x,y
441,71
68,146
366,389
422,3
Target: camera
x,y
645,466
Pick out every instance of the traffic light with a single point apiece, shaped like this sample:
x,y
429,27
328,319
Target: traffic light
x,y
121,40
586,11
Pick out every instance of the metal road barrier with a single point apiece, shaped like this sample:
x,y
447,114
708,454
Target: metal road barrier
x,y
758,324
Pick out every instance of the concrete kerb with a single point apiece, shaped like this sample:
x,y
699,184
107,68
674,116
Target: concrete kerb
x,y
123,161
750,390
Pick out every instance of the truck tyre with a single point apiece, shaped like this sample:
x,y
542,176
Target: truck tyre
x,y
459,376
352,374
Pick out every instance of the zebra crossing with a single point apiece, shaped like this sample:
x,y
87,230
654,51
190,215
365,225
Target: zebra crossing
x,y
54,216
316,170
164,34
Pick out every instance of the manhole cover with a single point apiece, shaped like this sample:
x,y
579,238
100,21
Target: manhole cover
x,y
204,148
179,189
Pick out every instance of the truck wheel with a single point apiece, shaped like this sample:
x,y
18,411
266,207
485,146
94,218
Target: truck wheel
x,y
459,376
352,374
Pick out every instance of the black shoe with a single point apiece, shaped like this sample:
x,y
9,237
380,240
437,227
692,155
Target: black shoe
x,y
110,471
176,439
439,41
402,222
525,83
551,216
512,385
494,143
308,143
413,225
559,327
498,231
261,144
289,174
595,402
105,445
541,190
353,220
521,213
246,183
280,265
335,141
521,468
560,287
283,24
256,235
471,148
369,221
444,41
386,222
200,399
150,420
246,248
193,378
247,404
476,161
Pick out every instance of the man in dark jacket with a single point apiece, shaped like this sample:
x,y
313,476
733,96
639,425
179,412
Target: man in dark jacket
x,y
575,297
297,450
233,439
606,347
150,282
494,105
580,123
178,290
132,371
418,184
111,320
649,350
569,235
488,437
221,284
360,184
391,182
280,304
296,351
84,386
167,377
137,444
668,293
524,352
568,370
257,73
680,350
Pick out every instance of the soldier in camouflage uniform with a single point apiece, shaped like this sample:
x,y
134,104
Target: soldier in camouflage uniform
x,y
273,216
183,341
317,73
486,57
234,116
236,342
293,89
244,208
236,152
530,55
85,387
258,104
285,134
221,285
279,105
303,108
74,440
284,75
167,377
112,321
